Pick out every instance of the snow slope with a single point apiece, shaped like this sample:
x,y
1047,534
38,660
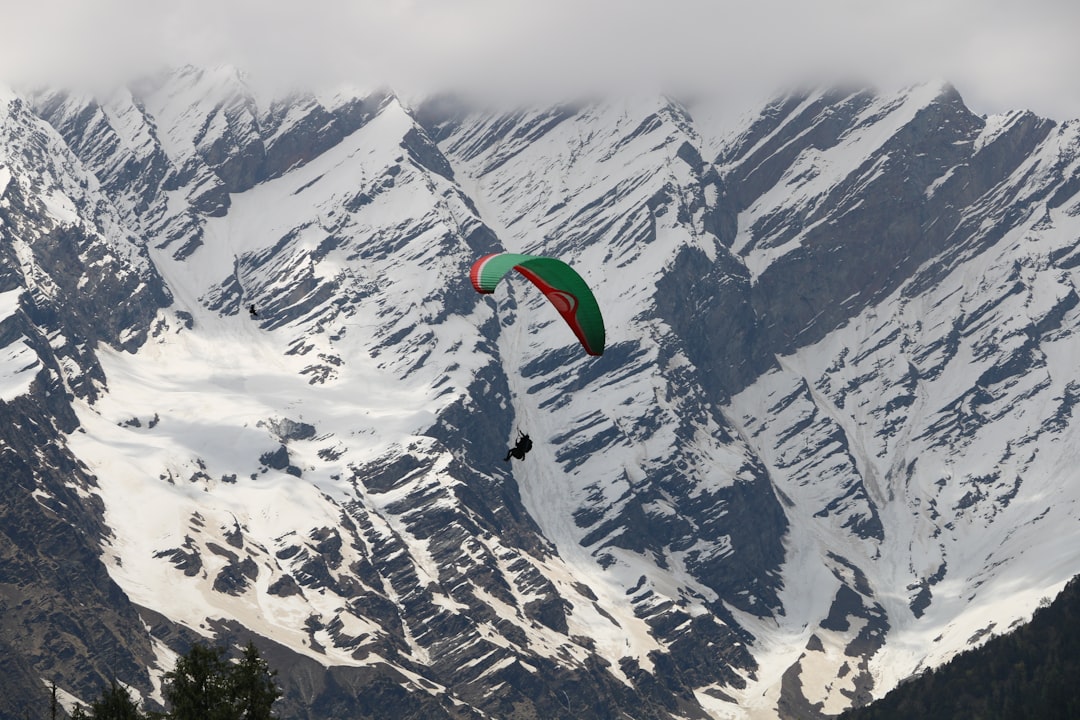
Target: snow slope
x,y
827,445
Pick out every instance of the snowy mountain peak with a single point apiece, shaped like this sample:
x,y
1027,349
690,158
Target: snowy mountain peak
x,y
827,434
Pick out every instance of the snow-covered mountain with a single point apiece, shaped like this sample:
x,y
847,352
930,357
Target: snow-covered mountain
x,y
828,444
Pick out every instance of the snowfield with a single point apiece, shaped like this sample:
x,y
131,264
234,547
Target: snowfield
x,y
825,449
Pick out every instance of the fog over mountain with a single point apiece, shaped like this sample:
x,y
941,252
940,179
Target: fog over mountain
x,y
1003,56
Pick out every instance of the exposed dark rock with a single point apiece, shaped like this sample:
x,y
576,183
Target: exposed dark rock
x,y
445,576
287,429
187,560
279,460
234,578
285,586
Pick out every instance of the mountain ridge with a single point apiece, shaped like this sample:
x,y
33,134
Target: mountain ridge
x,y
750,506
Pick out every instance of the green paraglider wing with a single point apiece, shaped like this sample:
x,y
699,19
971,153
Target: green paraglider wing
x,y
558,281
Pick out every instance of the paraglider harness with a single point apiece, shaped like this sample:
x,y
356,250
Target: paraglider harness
x,y
523,445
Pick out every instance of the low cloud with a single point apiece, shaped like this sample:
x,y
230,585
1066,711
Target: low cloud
x,y
1000,54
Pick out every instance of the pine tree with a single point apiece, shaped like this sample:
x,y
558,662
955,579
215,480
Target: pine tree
x,y
205,686
252,686
115,703
198,687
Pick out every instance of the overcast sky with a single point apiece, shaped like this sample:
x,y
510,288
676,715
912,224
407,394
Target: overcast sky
x,y
1000,54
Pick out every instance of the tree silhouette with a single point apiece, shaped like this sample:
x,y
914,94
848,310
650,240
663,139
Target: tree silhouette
x,y
115,703
205,686
1029,673
198,687
252,686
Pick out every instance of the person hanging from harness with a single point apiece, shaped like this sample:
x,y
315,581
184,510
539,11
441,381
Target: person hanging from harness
x,y
252,311
523,446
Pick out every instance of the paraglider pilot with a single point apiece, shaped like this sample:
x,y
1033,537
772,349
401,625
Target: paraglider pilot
x,y
252,311
523,445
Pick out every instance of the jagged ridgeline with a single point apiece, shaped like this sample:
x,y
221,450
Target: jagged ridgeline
x,y
828,444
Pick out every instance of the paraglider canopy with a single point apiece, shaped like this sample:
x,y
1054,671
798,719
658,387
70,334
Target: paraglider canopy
x,y
558,281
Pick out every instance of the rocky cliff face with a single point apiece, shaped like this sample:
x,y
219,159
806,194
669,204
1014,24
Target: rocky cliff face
x,y
828,433
62,252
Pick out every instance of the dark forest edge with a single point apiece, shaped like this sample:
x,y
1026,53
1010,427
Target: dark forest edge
x,y
1028,673
204,685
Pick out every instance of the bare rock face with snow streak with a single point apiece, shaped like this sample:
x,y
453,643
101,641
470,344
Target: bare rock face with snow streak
x,y
826,447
